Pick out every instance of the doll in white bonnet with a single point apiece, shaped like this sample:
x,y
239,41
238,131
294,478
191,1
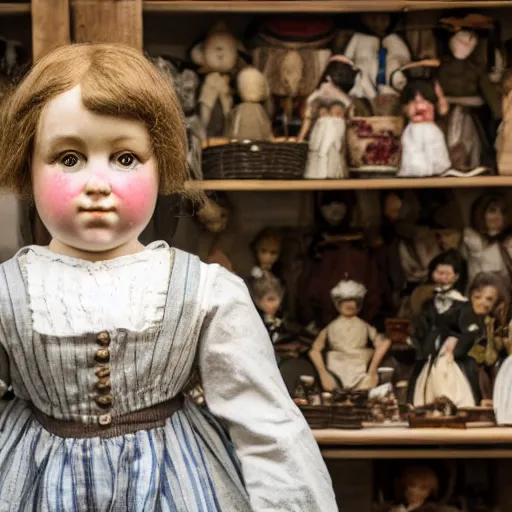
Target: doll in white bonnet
x,y
349,359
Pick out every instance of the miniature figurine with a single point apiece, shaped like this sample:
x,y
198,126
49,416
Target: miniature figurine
x,y
445,335
475,105
219,57
249,120
424,149
378,54
420,486
504,137
101,335
349,360
338,250
487,244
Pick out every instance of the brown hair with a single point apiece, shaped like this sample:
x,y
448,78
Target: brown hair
x,y
482,204
491,279
421,473
267,282
115,80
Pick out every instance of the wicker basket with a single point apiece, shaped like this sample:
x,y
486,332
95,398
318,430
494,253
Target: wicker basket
x,y
255,160
374,144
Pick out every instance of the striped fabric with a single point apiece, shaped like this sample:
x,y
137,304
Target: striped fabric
x,y
185,466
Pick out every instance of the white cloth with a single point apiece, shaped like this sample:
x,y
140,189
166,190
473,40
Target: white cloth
x,y
363,49
424,151
483,256
348,356
502,395
326,158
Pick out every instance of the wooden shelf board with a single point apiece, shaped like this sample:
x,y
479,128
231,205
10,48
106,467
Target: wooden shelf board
x,y
414,436
14,8
418,453
351,184
320,6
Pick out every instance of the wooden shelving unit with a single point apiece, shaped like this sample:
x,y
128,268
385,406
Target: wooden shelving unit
x,y
320,6
14,8
351,184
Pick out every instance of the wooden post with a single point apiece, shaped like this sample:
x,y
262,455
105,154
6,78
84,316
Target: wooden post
x,y
113,21
50,25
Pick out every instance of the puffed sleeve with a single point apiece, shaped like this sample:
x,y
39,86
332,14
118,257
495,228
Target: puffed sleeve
x,y
281,463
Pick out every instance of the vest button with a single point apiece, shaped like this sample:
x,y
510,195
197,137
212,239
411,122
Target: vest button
x,y
104,400
102,355
105,420
103,338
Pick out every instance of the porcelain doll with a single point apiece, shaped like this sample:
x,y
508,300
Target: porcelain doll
x,y
101,335
249,120
445,334
267,248
218,56
420,487
378,54
349,361
424,149
474,102
487,244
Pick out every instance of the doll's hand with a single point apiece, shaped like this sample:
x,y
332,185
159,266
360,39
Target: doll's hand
x,y
370,381
449,345
328,382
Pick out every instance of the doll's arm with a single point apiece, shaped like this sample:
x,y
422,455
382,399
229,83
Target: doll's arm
x,y
382,346
317,358
281,464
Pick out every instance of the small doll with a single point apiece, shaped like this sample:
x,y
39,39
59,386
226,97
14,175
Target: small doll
x,y
487,244
218,56
102,336
490,350
267,248
445,335
338,249
348,360
424,149
504,138
474,102
419,486
249,120
378,54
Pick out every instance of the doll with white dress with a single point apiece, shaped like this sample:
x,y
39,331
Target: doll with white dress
x,y
349,360
101,336
487,244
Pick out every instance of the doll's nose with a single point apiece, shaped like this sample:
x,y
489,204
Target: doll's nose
x,y
97,185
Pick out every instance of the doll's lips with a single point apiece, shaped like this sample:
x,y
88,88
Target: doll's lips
x,y
97,209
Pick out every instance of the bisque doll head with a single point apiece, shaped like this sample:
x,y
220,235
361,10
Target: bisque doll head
x,y
93,133
419,483
348,297
490,214
486,293
446,268
266,291
267,248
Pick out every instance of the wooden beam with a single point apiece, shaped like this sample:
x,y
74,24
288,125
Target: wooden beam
x,y
50,25
109,21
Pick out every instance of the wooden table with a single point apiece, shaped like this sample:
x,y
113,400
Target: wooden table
x,y
407,443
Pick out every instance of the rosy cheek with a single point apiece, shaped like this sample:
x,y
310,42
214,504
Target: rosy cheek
x,y
56,192
136,195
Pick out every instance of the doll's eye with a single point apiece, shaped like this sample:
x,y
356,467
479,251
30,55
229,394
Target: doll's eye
x,y
126,160
69,160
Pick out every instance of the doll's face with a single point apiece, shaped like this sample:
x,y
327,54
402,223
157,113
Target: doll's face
x,y
484,300
463,43
334,213
337,110
494,219
220,52
348,308
95,177
267,252
392,207
270,303
323,112
420,110
417,491
444,275
378,23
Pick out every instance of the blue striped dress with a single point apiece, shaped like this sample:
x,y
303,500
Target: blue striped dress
x,y
166,314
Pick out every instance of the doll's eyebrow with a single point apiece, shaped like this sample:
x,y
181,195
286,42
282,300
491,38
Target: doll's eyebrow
x,y
75,140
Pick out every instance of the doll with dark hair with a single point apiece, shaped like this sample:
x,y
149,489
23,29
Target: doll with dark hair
x,y
444,328
349,360
424,149
338,250
487,244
